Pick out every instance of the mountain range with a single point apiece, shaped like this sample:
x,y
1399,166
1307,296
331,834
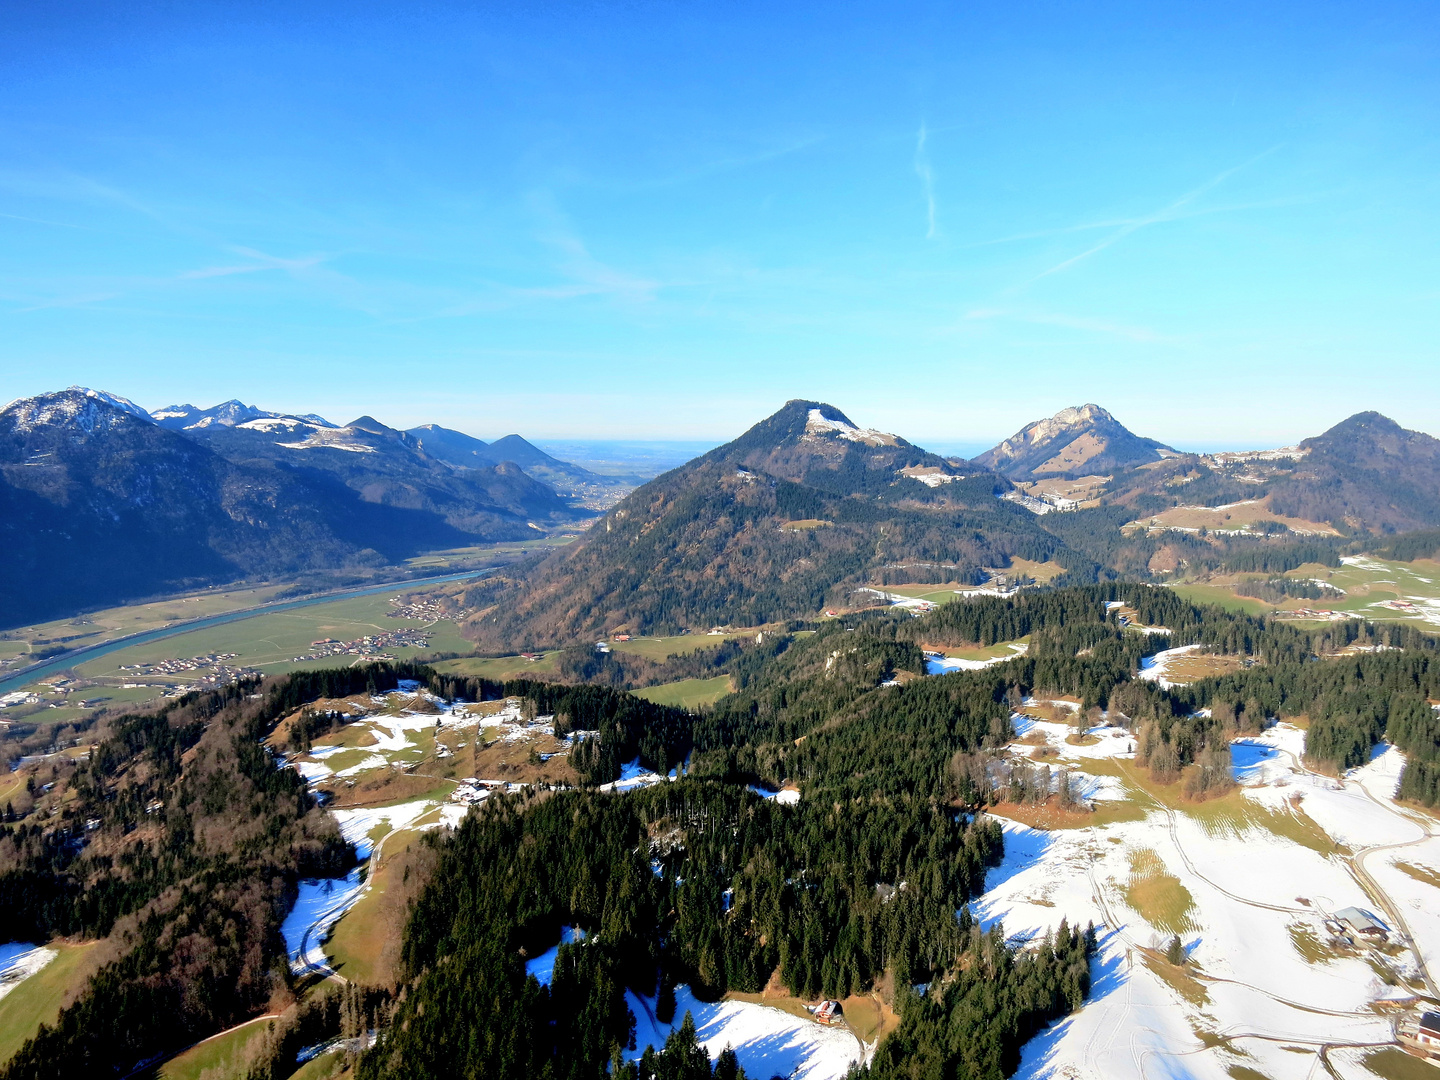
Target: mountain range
x,y
806,507
101,503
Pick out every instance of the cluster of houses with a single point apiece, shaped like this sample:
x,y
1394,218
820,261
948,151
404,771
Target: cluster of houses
x,y
368,647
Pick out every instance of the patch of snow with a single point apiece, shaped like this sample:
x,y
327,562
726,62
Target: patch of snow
x,y
357,823
19,960
785,796
318,908
543,966
312,771
818,423
767,1041
1153,667
308,444
633,775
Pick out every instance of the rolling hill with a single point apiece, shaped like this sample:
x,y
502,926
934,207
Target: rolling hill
x,y
466,451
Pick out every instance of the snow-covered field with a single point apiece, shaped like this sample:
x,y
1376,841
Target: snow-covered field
x,y
1258,903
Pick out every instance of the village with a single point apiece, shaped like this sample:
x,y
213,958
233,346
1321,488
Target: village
x,y
369,647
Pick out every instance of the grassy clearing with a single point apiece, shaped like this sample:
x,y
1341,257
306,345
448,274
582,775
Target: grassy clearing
x,y
223,1054
1223,596
1420,873
1308,945
1244,1072
500,668
364,944
1158,896
1394,1064
1177,978
936,594
1192,667
660,649
1365,586
688,693
1235,516
1228,815
330,1066
987,652
1051,817
38,999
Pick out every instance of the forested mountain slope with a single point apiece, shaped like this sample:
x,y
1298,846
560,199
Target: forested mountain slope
x,y
797,511
1368,473
390,467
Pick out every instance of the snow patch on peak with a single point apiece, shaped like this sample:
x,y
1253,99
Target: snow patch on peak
x,y
114,400
817,423
75,407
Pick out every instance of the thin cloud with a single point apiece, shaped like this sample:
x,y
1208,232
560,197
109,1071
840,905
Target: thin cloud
x,y
1171,212
927,180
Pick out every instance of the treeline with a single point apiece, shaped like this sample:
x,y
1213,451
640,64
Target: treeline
x,y
1277,589
1352,703
694,882
1000,997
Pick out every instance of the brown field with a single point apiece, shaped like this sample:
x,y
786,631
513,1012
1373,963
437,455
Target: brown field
x,y
1082,489
1192,667
1051,815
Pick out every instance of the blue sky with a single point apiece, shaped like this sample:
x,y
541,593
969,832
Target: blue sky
x,y
663,220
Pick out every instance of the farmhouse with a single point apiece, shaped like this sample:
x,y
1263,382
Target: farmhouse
x,y
1421,1035
828,1012
1362,922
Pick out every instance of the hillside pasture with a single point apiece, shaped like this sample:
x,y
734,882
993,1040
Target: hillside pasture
x,y
688,693
39,998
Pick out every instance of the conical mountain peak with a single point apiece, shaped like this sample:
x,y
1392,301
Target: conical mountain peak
x,y
1080,439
